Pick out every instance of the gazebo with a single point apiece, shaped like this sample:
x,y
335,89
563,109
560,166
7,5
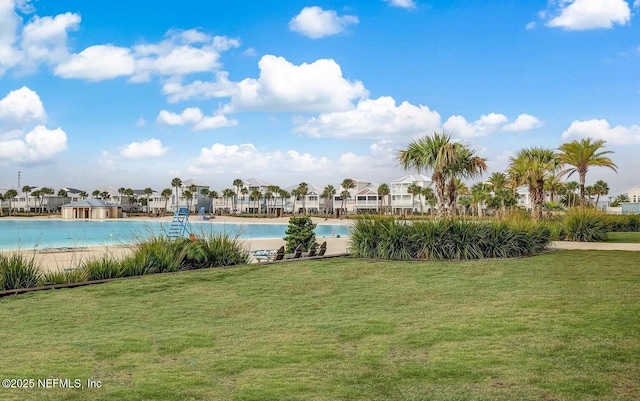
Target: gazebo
x,y
91,209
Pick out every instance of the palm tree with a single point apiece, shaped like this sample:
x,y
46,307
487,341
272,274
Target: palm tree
x,y
166,194
213,195
95,193
188,196
9,195
499,183
244,191
256,195
237,184
464,164
582,154
294,195
148,192
532,167
303,189
83,195
62,193
284,195
447,160
480,193
553,185
327,194
601,188
571,187
274,190
47,191
347,184
430,198
383,192
226,195
27,190
415,189
177,184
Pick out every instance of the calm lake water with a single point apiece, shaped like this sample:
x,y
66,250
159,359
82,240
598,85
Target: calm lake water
x,y
30,234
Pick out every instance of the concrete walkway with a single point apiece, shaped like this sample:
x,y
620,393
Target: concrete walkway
x,y
594,246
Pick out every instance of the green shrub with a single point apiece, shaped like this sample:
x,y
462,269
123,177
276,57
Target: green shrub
x,y
64,277
623,223
215,250
158,254
300,231
102,268
585,225
446,239
16,271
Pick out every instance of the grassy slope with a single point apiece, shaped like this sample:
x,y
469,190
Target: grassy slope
x,y
561,326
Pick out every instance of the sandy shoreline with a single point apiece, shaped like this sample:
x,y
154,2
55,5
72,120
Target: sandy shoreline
x,y
53,259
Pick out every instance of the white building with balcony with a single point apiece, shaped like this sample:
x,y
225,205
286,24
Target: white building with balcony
x,y
404,202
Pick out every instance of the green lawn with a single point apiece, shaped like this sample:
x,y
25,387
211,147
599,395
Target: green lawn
x,y
561,326
633,237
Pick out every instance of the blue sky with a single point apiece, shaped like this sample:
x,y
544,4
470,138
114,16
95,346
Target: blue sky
x,y
131,95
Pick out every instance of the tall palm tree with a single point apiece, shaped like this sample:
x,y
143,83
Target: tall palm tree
x,y
601,188
303,189
429,153
121,192
383,192
274,190
83,195
27,190
213,195
430,198
46,191
466,164
9,195
95,193
414,189
499,183
347,184
553,185
256,195
284,195
571,187
237,184
532,167
148,192
327,194
581,155
244,191
226,195
166,194
480,193
177,184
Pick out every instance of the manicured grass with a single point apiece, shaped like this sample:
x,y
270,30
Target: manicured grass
x,y
560,326
626,238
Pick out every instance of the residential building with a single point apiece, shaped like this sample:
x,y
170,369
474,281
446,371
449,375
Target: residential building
x,y
402,201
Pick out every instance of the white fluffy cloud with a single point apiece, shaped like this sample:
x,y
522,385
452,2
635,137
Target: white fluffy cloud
x,y
314,22
601,129
143,150
221,87
246,159
181,53
373,118
194,116
283,86
21,107
402,3
37,145
489,124
589,14
44,39
97,63
524,122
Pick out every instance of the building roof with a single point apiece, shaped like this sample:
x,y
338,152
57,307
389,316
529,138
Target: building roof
x,y
91,203
413,178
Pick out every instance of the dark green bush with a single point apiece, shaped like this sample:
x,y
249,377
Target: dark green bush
x,y
64,277
623,223
300,231
446,239
585,225
16,271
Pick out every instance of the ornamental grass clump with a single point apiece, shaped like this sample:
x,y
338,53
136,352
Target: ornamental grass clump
x,y
623,223
585,225
446,239
17,271
64,277
215,250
